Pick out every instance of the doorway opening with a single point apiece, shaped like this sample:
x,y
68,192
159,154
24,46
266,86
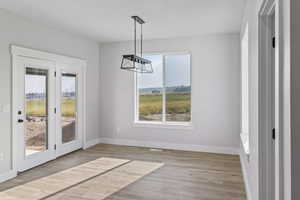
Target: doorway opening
x,y
270,179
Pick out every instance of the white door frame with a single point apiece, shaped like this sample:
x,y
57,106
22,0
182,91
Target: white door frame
x,y
61,148
268,8
18,51
28,161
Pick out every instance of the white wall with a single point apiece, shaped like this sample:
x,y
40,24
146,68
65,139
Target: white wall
x,y
215,95
16,30
251,165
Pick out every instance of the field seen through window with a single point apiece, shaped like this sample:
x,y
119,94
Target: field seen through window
x,y
169,84
178,107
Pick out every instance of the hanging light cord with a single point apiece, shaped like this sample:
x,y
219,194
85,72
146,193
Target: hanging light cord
x,y
135,37
141,40
142,45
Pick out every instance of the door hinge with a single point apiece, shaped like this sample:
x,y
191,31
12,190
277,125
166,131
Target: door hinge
x,y
274,42
273,134
55,110
54,74
55,147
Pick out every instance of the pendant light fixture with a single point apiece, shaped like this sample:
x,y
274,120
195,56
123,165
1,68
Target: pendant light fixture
x,y
132,62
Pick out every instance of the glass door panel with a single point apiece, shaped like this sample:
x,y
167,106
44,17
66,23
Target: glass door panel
x,y
35,116
68,107
36,109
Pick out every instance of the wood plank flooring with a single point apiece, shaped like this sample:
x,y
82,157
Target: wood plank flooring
x,y
109,183
49,185
185,175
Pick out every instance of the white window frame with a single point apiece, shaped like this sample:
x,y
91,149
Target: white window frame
x,y
245,90
163,123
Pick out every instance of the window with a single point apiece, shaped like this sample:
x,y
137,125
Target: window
x,y
165,95
245,92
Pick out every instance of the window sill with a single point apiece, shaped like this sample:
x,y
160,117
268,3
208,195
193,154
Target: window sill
x,y
170,125
245,142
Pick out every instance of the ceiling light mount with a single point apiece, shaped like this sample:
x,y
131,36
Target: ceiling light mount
x,y
135,63
138,19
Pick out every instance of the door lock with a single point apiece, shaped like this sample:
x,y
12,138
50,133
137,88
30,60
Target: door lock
x,y
20,120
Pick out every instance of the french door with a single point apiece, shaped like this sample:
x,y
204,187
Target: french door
x,y
69,92
49,110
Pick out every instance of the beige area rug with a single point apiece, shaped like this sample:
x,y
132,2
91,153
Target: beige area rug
x,y
106,184
42,188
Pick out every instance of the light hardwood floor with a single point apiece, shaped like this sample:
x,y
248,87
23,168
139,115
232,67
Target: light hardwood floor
x,y
185,175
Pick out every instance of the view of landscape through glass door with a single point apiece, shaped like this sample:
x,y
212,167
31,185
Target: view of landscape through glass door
x,y
35,123
36,108
49,113
69,107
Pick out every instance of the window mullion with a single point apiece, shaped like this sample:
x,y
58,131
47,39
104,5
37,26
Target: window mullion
x,y
164,90
137,98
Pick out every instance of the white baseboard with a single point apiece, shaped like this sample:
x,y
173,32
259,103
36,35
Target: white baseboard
x,y
91,143
7,175
173,146
245,176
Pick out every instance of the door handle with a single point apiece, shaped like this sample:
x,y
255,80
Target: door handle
x,y
20,120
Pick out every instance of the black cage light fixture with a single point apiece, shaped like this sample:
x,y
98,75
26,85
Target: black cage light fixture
x,y
135,63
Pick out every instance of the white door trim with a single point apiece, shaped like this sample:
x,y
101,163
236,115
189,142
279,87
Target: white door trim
x,y
18,51
266,165
28,161
265,144
63,148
